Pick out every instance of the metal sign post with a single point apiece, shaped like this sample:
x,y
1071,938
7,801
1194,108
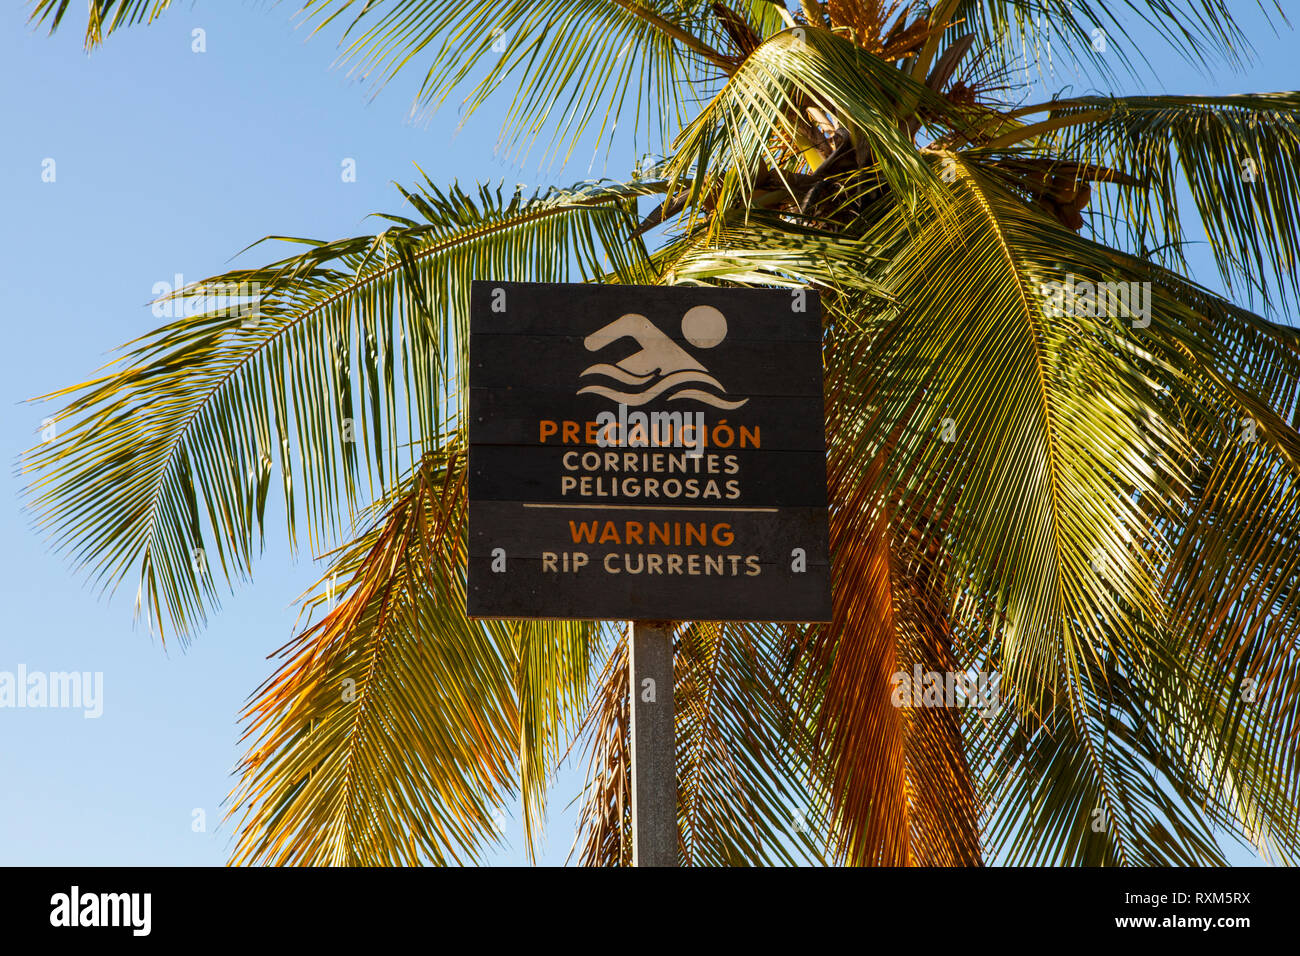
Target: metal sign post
x,y
654,763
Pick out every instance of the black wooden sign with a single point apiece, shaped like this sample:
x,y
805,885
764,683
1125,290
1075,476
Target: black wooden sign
x,y
646,453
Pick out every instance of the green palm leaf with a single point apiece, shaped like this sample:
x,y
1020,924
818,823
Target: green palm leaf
x,y
572,62
747,793
103,16
396,730
1199,30
1236,155
357,348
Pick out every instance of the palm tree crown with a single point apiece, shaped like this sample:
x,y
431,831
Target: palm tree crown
x,y
1053,456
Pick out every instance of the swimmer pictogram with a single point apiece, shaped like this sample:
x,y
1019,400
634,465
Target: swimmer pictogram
x,y
661,367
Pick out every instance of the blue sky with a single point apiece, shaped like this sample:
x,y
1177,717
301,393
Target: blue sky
x,y
169,161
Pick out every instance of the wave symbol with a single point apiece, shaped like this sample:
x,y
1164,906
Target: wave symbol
x,y
675,384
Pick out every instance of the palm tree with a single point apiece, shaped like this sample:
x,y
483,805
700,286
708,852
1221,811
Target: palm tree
x,y
1032,472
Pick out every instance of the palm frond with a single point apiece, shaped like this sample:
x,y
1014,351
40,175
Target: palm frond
x,y
571,62
1096,786
761,248
756,127
1065,505
396,730
337,360
386,735
1237,156
604,835
103,16
747,795
1042,477
1034,31
900,788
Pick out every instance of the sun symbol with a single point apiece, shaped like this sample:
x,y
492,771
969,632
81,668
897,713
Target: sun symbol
x,y
704,326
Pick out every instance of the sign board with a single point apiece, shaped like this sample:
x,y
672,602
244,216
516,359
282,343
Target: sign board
x,y
646,453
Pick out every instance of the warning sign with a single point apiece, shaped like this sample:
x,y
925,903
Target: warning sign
x,y
646,452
